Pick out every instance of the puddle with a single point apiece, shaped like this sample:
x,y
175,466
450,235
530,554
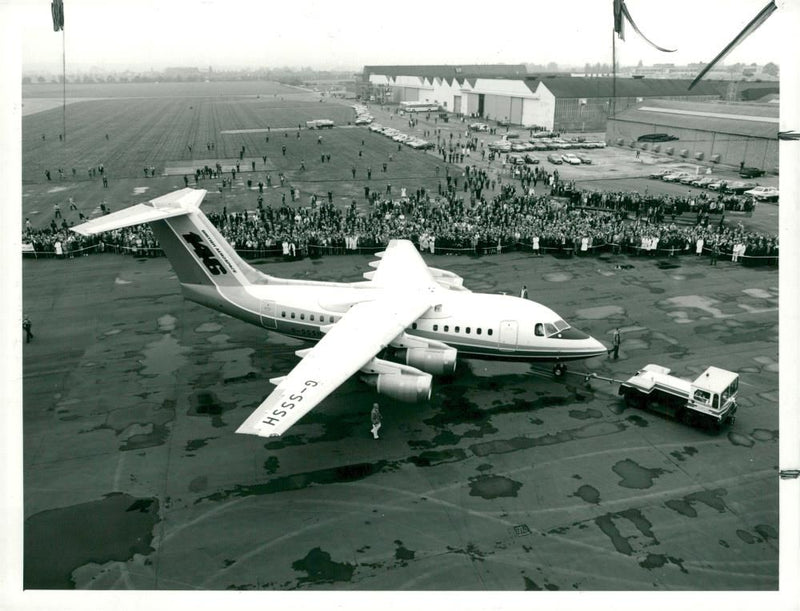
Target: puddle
x,y
58,541
163,357
205,403
558,277
768,363
319,568
586,414
599,312
166,322
236,363
635,476
402,553
758,293
588,494
493,486
208,327
431,458
698,302
738,439
679,317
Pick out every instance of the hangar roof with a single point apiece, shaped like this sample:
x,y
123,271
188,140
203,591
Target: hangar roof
x,y
757,120
452,70
603,87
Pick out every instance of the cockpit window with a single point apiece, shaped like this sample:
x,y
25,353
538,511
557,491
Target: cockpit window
x,y
539,329
561,325
549,329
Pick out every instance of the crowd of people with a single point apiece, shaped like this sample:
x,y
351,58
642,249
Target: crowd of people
x,y
462,218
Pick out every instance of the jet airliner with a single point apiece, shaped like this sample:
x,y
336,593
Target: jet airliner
x,y
403,309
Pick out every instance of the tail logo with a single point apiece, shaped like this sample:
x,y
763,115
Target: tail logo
x,y
204,253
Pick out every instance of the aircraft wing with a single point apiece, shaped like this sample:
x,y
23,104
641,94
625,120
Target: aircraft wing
x,y
400,265
352,342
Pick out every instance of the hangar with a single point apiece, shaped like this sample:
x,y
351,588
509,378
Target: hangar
x,y
554,101
714,132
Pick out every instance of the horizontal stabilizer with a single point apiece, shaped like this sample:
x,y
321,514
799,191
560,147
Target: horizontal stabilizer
x,y
164,207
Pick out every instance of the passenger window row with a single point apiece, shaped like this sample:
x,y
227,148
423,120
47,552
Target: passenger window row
x,y
456,329
311,317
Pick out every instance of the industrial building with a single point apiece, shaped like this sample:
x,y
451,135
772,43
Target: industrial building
x,y
715,132
508,93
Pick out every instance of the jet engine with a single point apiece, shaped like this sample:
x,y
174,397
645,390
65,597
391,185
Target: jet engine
x,y
437,361
405,388
400,382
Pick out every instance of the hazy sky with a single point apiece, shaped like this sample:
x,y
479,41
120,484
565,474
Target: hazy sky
x,y
351,33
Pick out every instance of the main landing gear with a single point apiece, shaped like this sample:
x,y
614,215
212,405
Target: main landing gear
x,y
559,369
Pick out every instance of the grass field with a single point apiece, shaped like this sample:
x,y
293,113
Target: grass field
x,y
155,124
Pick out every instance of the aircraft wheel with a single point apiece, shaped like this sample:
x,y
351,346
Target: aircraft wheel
x,y
559,369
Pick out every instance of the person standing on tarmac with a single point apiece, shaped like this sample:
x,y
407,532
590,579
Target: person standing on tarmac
x,y
375,417
26,326
615,344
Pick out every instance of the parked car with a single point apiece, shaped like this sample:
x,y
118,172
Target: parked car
x,y
510,135
516,159
500,146
531,159
675,177
739,187
571,159
556,159
584,158
661,173
749,172
376,127
479,127
702,182
363,120
763,194
521,147
718,185
687,180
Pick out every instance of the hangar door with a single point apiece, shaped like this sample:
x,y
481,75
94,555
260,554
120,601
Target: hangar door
x,y
456,103
516,111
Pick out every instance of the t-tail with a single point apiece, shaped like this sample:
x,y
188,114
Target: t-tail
x,y
208,268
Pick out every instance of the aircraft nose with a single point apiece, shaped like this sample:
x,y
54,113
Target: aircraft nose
x,y
595,347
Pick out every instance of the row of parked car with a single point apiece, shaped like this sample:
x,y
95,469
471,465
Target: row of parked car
x,y
398,136
738,187
363,116
509,143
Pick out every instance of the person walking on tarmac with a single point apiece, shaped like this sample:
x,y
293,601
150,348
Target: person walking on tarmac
x,y
375,416
26,326
524,292
615,344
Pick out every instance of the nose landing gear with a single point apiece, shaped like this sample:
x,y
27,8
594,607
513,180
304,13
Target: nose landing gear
x,y
559,369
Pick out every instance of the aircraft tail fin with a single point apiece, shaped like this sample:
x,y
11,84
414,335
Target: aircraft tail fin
x,y
198,252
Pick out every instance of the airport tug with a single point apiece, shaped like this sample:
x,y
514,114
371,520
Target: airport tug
x,y
708,400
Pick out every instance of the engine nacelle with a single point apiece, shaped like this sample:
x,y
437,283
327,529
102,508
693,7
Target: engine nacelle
x,y
406,388
438,361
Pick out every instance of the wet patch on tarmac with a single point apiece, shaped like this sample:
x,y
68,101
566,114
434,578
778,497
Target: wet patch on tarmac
x,y
195,444
637,420
402,553
588,494
140,426
635,476
599,312
163,357
319,568
298,481
166,322
437,457
236,364
493,486
198,484
709,498
764,435
208,327
558,277
206,404
767,363
698,302
514,444
657,561
667,265
585,414
532,586
683,454
58,541
622,544
271,464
